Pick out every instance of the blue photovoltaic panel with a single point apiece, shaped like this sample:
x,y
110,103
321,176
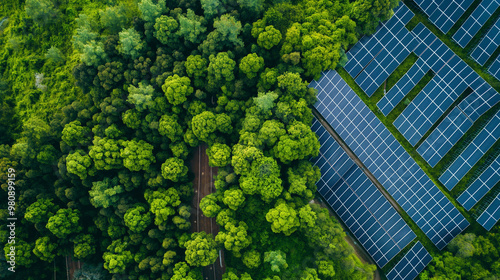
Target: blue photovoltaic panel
x,y
481,186
387,160
446,134
475,21
471,155
452,77
362,207
480,100
495,68
491,215
403,87
410,266
444,13
488,44
375,57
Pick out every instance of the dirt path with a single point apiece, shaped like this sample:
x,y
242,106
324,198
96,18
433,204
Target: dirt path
x,y
203,186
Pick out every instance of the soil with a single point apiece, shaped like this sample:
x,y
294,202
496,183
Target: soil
x,y
203,185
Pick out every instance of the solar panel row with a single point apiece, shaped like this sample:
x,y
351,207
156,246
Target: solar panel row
x,y
445,136
444,13
491,215
362,207
481,100
452,77
482,185
410,266
475,21
387,160
471,155
488,44
403,87
374,58
495,68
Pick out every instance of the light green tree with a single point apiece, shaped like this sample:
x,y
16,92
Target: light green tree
x,y
283,218
177,89
137,219
219,155
137,155
174,169
251,65
150,11
130,43
78,163
44,249
201,249
64,223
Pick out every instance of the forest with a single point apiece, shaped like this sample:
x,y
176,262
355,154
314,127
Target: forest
x,y
102,104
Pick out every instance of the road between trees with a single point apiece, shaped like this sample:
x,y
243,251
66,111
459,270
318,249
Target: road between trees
x,y
203,185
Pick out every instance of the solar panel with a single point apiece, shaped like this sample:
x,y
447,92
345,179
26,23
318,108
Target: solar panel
x,y
475,21
452,77
480,100
488,44
495,68
375,57
444,13
403,87
446,134
481,186
410,266
387,160
471,155
491,215
362,207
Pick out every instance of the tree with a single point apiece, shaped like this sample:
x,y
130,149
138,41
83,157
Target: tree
x,y
141,97
209,206
105,193
251,259
117,258
233,198
196,68
220,69
263,178
299,143
170,127
302,179
130,43
23,252
41,11
223,122
106,153
212,8
137,155
192,27
462,246
64,223
54,55
243,157
204,125
201,249
177,89
44,249
150,11
174,169
113,18
40,211
251,65
271,131
93,53
182,271
162,203
234,237
75,134
137,219
283,218
78,163
307,216
84,246
166,29
277,260
219,155
269,38
83,32
229,29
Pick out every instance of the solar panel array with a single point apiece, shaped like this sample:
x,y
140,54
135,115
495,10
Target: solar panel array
x,y
387,160
491,215
488,44
362,207
482,185
374,58
475,21
495,68
403,87
471,155
444,137
410,266
452,77
444,13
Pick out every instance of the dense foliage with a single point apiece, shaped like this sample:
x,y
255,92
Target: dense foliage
x,y
103,101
